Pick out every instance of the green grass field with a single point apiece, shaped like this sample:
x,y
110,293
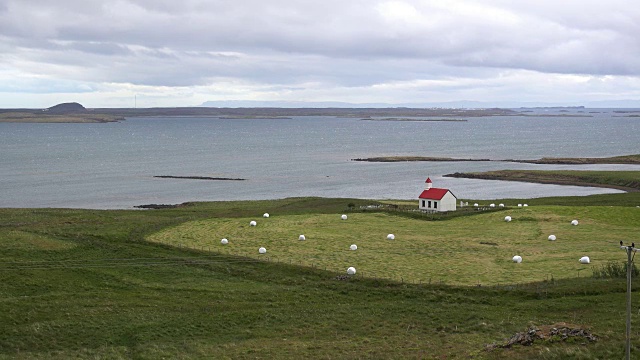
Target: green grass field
x,y
89,284
463,251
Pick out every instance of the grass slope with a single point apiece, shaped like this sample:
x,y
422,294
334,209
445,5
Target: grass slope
x,y
466,250
86,284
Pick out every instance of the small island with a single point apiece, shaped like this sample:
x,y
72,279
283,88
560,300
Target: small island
x,y
198,178
254,117
624,159
414,158
413,119
61,113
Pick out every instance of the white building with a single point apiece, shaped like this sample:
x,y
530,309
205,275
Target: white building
x,y
436,199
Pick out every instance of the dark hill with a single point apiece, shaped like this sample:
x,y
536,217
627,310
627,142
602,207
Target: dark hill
x,y
66,108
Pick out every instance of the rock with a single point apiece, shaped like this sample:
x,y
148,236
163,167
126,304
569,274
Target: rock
x,y
549,333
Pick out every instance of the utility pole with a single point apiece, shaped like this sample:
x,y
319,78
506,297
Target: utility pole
x,y
630,255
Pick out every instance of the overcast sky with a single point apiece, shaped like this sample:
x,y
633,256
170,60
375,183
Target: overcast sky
x,y
183,53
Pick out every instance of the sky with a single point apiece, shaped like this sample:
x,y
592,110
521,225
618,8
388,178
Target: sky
x,y
150,53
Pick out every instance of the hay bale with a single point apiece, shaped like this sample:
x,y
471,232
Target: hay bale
x,y
262,250
353,247
552,238
253,223
525,205
507,218
519,205
492,205
501,205
224,241
585,260
302,238
344,217
517,259
391,237
351,271
265,215
476,205
574,222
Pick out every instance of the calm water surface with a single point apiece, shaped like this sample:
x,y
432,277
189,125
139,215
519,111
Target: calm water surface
x,y
112,165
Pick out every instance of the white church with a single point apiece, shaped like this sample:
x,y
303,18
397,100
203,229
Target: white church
x,y
436,199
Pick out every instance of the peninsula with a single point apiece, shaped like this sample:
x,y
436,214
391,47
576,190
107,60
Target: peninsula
x,y
622,180
624,159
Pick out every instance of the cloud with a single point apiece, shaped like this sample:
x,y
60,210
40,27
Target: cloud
x,y
359,44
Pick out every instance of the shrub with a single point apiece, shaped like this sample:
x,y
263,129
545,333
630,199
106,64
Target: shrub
x,y
614,269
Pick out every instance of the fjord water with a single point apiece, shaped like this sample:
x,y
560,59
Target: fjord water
x,y
112,165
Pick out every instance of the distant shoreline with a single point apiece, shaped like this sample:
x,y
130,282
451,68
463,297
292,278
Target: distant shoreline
x,y
624,159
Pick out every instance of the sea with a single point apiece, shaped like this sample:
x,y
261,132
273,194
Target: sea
x,y
113,165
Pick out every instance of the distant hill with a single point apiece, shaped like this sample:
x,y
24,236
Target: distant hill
x,y
66,108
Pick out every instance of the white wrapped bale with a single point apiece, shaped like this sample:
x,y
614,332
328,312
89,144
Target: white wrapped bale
x,y
262,250
302,238
517,259
525,205
519,205
574,222
351,270
501,205
343,217
224,241
265,215
476,205
552,238
391,237
585,260
253,223
507,218
353,247
492,205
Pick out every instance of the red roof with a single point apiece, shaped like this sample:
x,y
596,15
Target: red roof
x,y
434,194
428,181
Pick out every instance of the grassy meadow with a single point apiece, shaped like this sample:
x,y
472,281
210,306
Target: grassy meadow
x,y
462,251
114,284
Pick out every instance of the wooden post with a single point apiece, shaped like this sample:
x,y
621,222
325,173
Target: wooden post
x,y
628,335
